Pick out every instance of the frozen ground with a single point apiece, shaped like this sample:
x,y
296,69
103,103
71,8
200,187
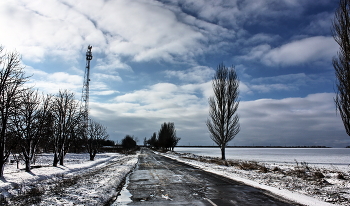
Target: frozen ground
x,y
84,182
78,182
299,182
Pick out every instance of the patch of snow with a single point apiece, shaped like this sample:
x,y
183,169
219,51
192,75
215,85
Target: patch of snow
x,y
79,182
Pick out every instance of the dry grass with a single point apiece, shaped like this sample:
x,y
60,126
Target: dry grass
x,y
301,170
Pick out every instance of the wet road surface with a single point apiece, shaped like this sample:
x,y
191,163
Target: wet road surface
x,y
158,180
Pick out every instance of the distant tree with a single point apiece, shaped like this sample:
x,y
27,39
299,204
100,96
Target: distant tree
x,y
96,134
67,116
153,142
341,63
129,142
167,139
223,122
174,142
47,117
77,143
31,124
107,142
12,79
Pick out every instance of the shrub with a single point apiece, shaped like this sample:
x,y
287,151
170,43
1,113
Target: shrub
x,y
340,176
276,169
128,142
318,175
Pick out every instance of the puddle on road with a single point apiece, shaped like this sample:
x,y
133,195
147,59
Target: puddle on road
x,y
124,196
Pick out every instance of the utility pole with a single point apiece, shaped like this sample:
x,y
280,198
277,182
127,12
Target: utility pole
x,y
85,92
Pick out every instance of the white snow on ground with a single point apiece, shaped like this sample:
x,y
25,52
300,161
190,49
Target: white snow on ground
x,y
78,182
84,182
299,183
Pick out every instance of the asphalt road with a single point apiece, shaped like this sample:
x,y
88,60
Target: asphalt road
x,y
158,180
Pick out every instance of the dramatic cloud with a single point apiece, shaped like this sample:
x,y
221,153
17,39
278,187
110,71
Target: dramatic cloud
x,y
154,33
153,62
263,122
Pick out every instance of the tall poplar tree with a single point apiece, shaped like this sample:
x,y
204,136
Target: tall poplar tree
x,y
341,63
223,121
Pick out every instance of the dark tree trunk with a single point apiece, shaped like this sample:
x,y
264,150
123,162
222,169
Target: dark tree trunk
x,y
92,156
27,162
223,153
2,165
55,160
61,159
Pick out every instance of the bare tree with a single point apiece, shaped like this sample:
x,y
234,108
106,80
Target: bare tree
x,y
223,122
67,116
341,63
12,78
30,124
96,134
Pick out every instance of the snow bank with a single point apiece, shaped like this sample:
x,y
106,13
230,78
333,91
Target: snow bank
x,y
78,182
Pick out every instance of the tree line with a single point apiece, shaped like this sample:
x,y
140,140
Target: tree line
x,y
31,122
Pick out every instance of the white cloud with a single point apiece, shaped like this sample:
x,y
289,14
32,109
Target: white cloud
x,y
102,93
198,74
143,30
43,28
53,82
302,51
311,49
257,52
106,77
163,96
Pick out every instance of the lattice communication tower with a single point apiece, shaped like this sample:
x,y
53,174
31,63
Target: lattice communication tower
x,y
85,92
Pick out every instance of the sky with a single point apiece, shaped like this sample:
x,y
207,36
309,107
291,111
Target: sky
x,y
153,62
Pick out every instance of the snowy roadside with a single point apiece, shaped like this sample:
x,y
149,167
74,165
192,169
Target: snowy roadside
x,y
79,182
299,183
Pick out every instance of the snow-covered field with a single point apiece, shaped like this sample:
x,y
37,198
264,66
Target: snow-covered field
x,y
78,182
320,157
299,182
84,182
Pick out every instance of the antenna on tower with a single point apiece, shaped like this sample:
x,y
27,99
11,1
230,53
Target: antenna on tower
x,y
85,92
